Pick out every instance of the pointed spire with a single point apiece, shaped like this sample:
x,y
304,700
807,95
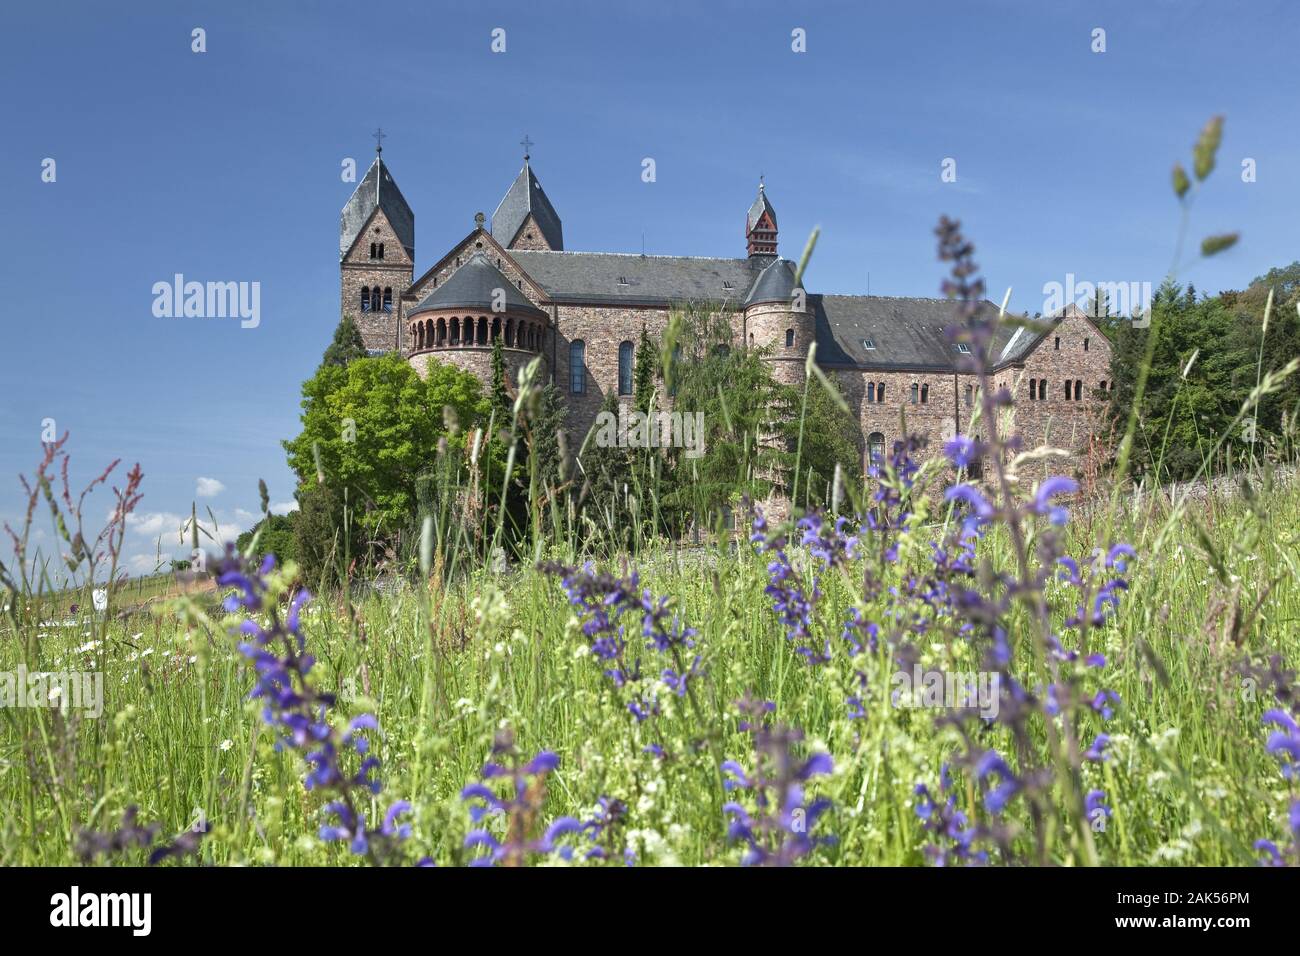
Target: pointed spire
x,y
523,199
377,189
760,224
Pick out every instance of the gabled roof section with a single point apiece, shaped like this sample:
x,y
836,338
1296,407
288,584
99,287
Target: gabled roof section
x,y
1013,344
632,279
776,283
524,197
377,190
475,285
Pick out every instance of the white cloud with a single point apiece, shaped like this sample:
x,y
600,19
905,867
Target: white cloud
x,y
209,488
283,507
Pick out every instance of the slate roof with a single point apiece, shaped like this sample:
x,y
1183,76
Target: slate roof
x,y
761,203
776,283
472,286
525,196
632,279
377,188
907,333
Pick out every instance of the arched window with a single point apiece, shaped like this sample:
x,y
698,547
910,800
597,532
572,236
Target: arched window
x,y
373,251
1033,389
577,366
871,392
625,368
1042,389
970,395
789,338
1067,389
1078,390
916,391
880,393
925,394
388,298
496,327
482,330
442,332
875,449
455,331
1058,343
365,298
1085,345
510,333
381,250
1103,385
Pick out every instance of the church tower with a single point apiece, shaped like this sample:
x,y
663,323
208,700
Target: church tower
x,y
760,225
525,218
376,255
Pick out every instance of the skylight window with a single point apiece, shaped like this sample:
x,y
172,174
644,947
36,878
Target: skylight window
x,y
622,280
963,348
869,344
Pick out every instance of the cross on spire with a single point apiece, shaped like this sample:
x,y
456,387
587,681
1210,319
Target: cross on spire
x,y
379,136
527,144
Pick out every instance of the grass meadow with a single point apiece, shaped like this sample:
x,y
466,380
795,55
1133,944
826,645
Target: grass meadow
x,y
1187,778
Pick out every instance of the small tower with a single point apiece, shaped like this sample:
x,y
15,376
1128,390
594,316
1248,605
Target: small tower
x,y
376,254
525,218
760,225
779,318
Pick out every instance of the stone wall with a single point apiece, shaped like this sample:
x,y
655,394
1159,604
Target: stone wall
x,y
476,360
358,270
766,325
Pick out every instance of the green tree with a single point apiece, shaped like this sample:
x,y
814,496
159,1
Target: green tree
x,y
276,537
643,374
1207,355
347,345
326,534
376,425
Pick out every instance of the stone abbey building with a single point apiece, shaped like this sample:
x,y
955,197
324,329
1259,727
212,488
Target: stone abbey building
x,y
511,276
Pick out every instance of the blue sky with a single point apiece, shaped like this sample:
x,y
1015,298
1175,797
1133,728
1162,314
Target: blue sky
x,y
225,166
